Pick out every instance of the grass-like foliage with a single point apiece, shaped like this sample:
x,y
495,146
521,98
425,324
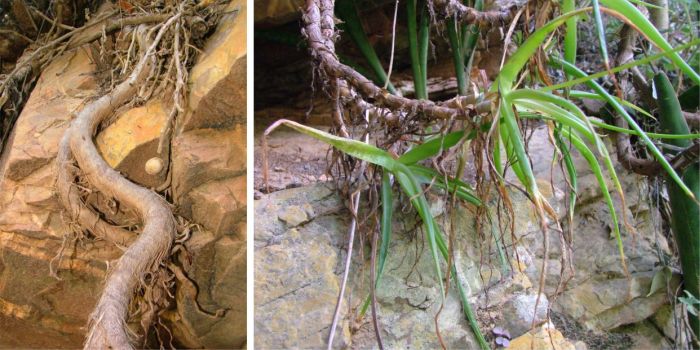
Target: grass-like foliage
x,y
518,92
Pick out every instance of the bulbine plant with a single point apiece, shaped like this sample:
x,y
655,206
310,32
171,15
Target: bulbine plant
x,y
493,116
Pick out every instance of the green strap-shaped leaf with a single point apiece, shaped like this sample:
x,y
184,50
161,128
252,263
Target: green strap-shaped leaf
x,y
385,228
558,114
420,85
415,193
647,29
457,55
563,146
600,30
517,61
595,167
570,38
431,148
573,82
351,147
573,70
345,9
592,96
685,212
511,131
386,225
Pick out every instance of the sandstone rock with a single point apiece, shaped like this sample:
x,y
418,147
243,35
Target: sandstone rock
x,y
208,168
41,310
30,206
596,296
220,205
220,271
520,283
293,154
297,292
600,302
132,140
293,216
666,320
275,12
300,237
322,200
632,311
646,336
218,80
204,155
297,284
209,149
543,338
58,93
520,313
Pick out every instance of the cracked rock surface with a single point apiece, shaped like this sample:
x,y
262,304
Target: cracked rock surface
x,y
301,244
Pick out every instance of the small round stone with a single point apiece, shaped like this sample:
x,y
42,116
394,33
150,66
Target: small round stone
x,y
154,166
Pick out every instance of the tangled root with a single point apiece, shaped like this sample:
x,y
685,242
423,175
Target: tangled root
x,y
108,320
176,31
77,210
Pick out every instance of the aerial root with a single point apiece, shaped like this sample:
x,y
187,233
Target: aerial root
x,y
108,322
77,210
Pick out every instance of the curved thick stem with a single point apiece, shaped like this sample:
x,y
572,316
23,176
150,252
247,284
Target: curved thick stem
x,y
76,209
320,33
468,15
626,156
108,320
319,30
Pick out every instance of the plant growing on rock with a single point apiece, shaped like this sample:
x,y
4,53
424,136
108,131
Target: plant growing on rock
x,y
160,41
406,131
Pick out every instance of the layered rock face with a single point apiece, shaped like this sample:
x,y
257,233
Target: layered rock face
x,y
205,167
301,244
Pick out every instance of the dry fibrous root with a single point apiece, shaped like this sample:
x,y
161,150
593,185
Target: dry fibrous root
x,y
18,82
392,119
320,33
362,108
77,209
468,15
158,58
12,97
391,116
108,322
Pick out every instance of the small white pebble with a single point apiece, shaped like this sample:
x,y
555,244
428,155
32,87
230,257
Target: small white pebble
x,y
154,166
